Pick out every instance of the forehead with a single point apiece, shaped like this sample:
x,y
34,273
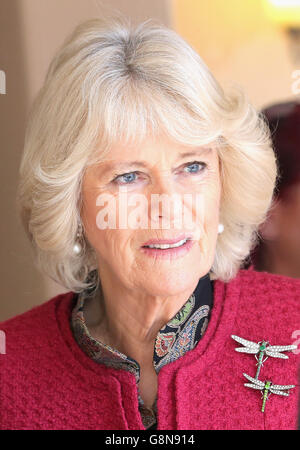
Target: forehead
x,y
152,149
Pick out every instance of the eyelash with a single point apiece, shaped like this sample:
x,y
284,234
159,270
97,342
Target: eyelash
x,y
204,166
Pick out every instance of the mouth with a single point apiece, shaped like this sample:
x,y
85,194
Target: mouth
x,y
168,249
164,245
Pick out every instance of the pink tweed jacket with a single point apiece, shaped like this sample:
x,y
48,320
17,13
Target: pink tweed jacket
x,y
47,382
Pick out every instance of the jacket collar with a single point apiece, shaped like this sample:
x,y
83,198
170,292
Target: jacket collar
x,y
179,335
226,298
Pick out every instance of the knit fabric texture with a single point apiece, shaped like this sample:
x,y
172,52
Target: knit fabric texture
x,y
181,334
47,382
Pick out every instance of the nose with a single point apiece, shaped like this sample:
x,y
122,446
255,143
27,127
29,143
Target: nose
x,y
163,183
165,203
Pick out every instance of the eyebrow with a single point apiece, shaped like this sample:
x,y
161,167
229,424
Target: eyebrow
x,y
132,164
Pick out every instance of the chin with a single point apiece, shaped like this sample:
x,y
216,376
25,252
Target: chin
x,y
166,285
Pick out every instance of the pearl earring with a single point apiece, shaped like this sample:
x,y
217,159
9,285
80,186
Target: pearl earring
x,y
220,228
77,248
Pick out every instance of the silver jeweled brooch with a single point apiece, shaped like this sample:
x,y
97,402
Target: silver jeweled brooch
x,y
267,388
262,350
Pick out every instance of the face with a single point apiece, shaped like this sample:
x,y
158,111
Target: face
x,y
130,179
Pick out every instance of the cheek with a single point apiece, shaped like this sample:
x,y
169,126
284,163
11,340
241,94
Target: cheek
x,y
88,214
208,231
109,244
207,219
206,206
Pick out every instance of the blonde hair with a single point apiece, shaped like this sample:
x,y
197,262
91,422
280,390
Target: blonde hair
x,y
112,81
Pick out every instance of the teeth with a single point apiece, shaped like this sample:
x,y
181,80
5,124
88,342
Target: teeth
x,y
164,246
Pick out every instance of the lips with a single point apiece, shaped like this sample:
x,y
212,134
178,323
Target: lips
x,y
168,253
170,241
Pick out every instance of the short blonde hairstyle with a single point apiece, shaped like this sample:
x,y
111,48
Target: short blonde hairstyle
x,y
113,81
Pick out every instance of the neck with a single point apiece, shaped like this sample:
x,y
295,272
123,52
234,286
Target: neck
x,y
128,319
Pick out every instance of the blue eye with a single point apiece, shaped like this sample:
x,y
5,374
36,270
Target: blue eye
x,y
195,167
126,178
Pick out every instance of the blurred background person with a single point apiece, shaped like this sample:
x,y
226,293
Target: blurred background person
x,y
278,250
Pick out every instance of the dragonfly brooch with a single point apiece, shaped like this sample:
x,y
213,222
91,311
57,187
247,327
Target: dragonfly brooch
x,y
262,350
267,388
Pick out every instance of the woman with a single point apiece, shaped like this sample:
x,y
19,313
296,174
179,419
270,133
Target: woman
x,y
142,339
